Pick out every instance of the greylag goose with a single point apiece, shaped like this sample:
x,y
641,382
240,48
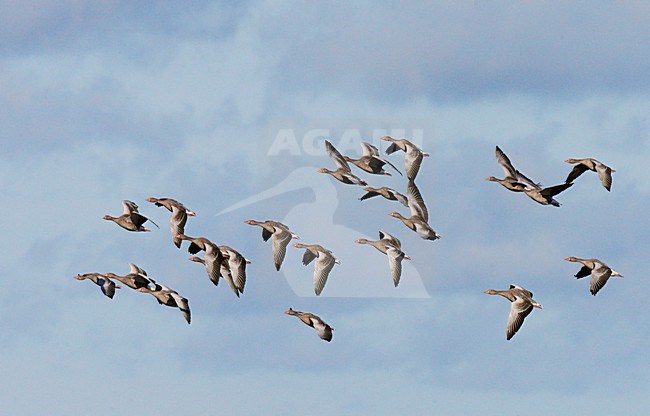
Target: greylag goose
x,y
370,161
323,266
130,219
419,219
213,256
323,330
343,173
387,193
513,179
179,216
413,157
169,204
599,271
392,247
136,278
522,305
236,267
225,272
168,297
107,285
583,165
518,182
281,238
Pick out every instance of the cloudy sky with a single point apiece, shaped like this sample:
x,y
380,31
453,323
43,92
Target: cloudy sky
x,y
225,107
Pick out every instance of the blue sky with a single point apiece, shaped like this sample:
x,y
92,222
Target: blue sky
x,y
124,100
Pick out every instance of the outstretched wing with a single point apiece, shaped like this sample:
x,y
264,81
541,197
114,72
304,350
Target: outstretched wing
x,y
416,202
519,310
336,157
324,265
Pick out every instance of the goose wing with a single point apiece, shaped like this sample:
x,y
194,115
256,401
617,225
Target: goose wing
x,y
182,304
551,191
336,157
237,266
605,175
369,194
129,207
177,224
386,162
395,257
390,239
324,265
577,170
412,161
281,239
583,272
323,330
108,286
416,202
599,277
508,170
519,310
369,150
308,257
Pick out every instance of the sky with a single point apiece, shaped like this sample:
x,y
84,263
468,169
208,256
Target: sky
x,y
225,107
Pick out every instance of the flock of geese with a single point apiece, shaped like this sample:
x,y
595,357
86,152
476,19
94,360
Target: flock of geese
x,y
223,262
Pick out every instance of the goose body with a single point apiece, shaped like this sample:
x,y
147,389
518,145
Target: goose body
x,y
522,304
418,221
107,285
281,236
324,264
235,265
168,297
130,219
413,155
169,204
212,258
179,216
370,161
343,173
599,271
391,247
135,279
323,330
387,193
582,165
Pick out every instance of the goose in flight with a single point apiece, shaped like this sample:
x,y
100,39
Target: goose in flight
x,y
418,221
179,216
370,161
582,165
323,330
281,238
130,219
343,173
323,266
391,247
599,271
107,285
135,279
387,193
522,304
412,158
